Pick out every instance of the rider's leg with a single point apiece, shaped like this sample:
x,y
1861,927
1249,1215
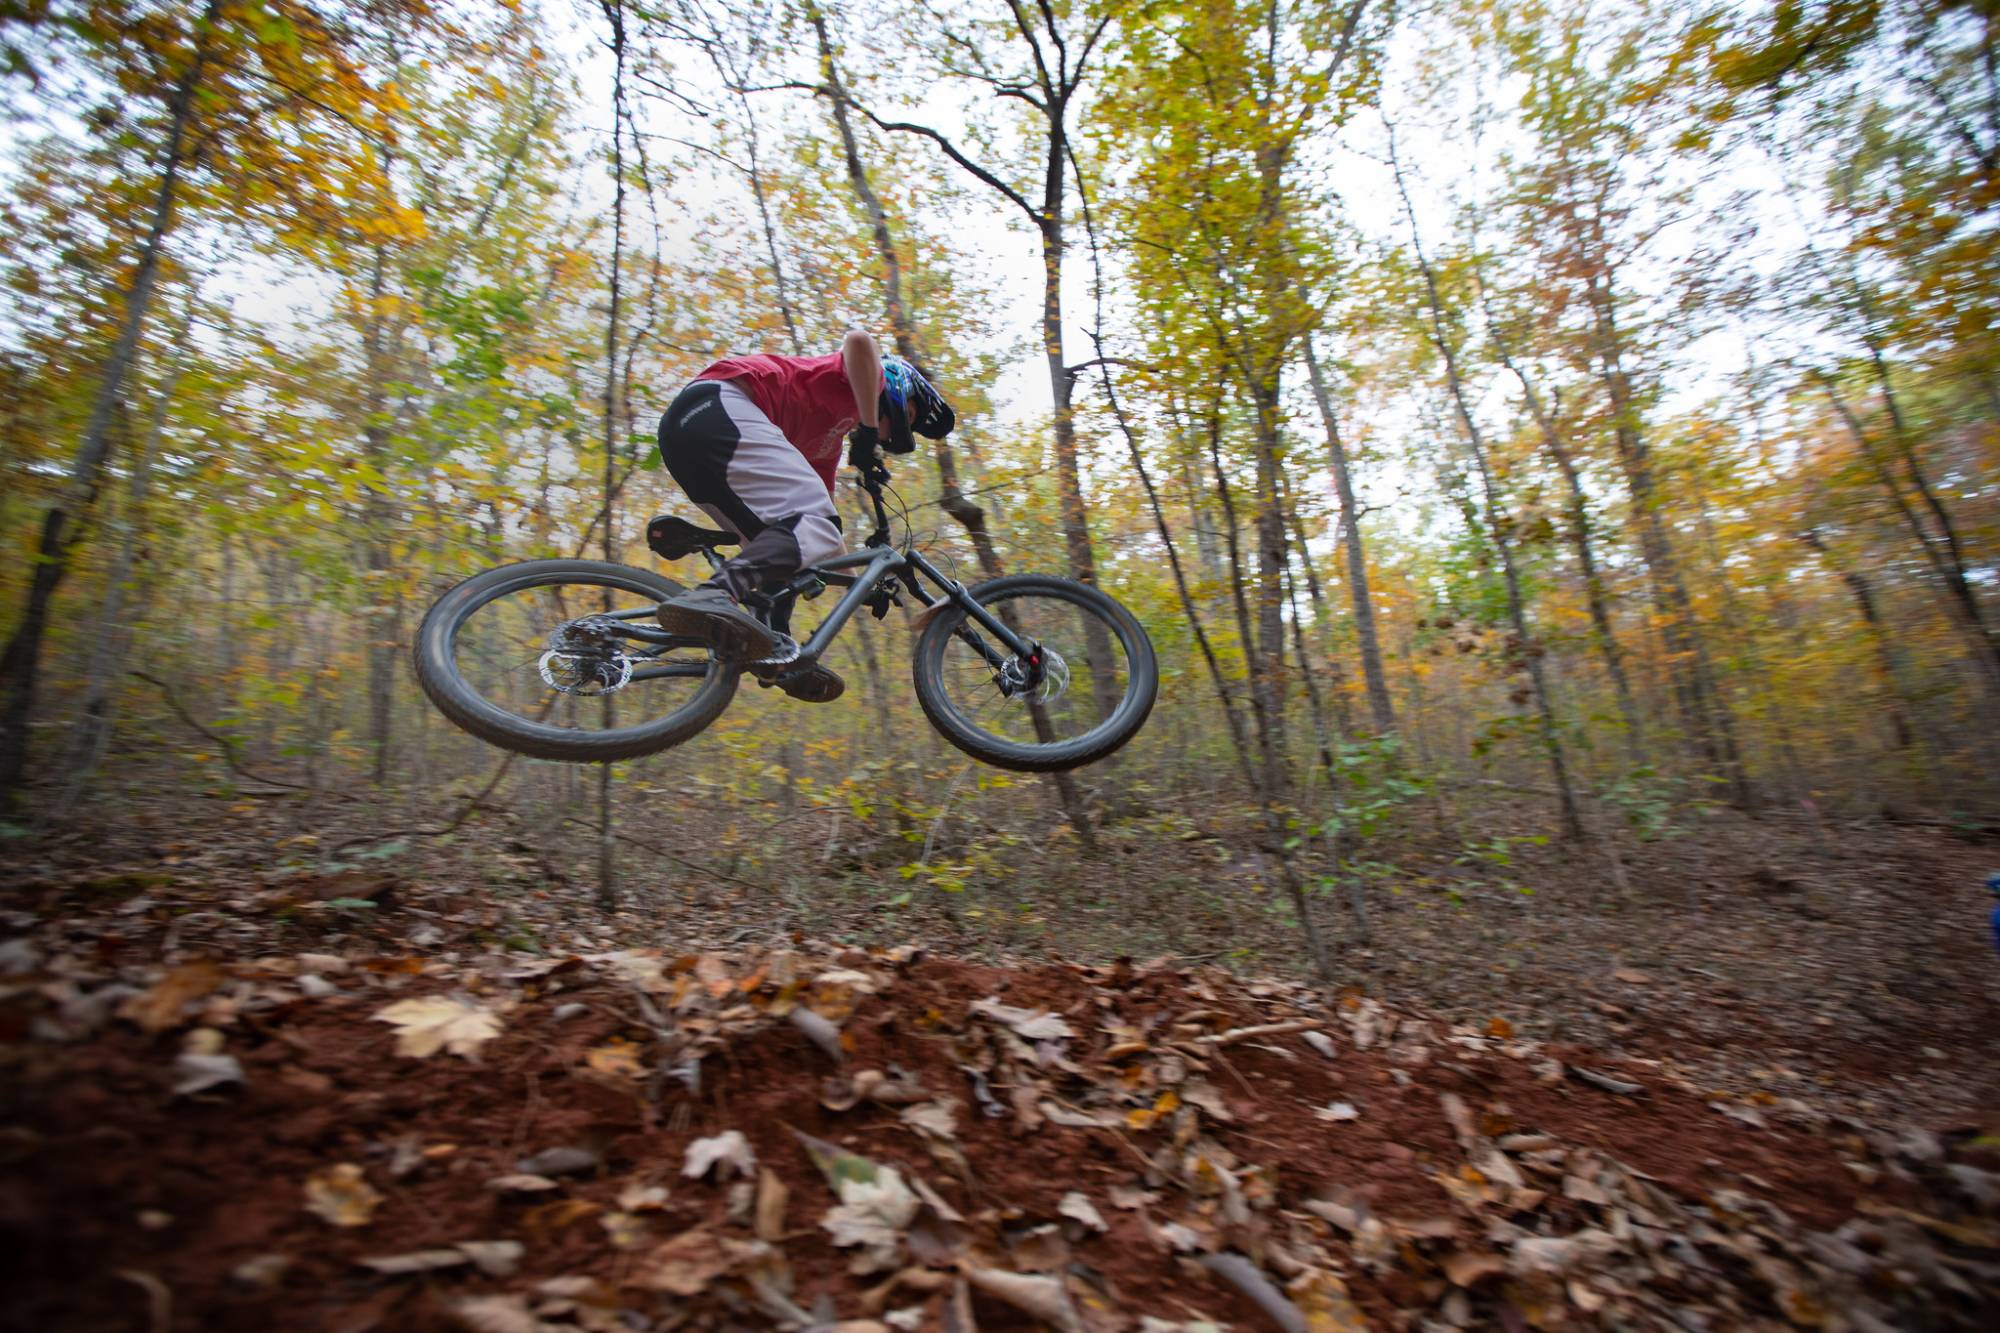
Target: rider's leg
x,y
738,466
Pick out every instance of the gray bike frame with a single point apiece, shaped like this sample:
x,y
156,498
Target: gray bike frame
x,y
875,563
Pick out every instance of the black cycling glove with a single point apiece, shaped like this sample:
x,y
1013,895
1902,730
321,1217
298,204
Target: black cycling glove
x,y
864,454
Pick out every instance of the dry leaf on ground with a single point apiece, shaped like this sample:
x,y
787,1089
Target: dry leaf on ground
x,y
1076,1206
198,1073
1034,1024
439,1023
160,1008
772,1195
682,1266
730,1149
495,1314
342,1196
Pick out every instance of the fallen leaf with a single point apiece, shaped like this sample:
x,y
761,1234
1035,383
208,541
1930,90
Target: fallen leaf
x,y
1464,1268
730,1149
341,1196
1069,1118
682,1266
615,1057
1197,1092
821,1032
626,1231
426,1026
160,1007
198,1073
1632,977
932,1118
495,1314
714,976
1338,1111
557,1214
1559,1254
1249,1279
838,1165
495,1258
873,1215
1076,1206
772,1195
1041,1297
1320,1042
642,1198
263,1271
417,1261
565,1160
1034,1024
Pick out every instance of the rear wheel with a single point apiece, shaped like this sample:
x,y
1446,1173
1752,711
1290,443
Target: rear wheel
x,y
1061,711
563,659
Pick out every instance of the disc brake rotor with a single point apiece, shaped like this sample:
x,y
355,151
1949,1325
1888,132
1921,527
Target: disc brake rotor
x,y
584,657
1053,684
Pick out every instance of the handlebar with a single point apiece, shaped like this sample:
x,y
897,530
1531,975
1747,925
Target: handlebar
x,y
874,476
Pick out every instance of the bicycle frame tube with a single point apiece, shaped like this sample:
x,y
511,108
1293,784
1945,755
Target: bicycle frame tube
x,y
955,592
873,563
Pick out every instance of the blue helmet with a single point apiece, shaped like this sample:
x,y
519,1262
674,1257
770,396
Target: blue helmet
x,y
911,404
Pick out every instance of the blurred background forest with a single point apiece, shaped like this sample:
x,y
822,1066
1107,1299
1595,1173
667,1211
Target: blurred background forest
x,y
1534,435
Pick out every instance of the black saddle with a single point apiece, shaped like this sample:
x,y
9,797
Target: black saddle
x,y
671,538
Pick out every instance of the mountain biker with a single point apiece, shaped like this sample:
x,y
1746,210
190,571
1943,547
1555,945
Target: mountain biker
x,y
755,443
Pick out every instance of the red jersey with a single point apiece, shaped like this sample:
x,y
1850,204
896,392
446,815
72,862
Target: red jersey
x,y
806,397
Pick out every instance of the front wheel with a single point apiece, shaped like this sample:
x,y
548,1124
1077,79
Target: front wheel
x,y
1088,693
564,659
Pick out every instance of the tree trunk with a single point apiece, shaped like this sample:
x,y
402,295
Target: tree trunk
x,y
614,12
951,496
378,517
1496,524
110,646
1960,604
1871,619
1707,714
1268,669
1069,479
21,661
1578,512
1373,677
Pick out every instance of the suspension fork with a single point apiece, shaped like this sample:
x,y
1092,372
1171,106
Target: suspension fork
x,y
1025,650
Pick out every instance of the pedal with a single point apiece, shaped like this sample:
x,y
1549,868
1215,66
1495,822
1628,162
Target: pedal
x,y
786,654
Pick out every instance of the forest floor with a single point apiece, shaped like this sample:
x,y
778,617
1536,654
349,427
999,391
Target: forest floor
x,y
256,1079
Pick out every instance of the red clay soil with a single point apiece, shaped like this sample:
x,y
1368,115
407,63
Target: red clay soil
x,y
116,1194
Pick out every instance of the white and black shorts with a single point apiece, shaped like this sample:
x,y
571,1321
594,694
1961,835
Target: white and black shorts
x,y
740,469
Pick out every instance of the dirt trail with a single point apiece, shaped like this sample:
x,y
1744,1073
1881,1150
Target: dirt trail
x,y
509,1140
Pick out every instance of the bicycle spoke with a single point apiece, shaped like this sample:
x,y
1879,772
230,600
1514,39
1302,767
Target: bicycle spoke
x,y
505,646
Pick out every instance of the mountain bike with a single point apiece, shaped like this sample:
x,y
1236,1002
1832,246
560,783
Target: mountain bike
x,y
564,659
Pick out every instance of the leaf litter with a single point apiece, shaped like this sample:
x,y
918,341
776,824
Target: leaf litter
x,y
655,1142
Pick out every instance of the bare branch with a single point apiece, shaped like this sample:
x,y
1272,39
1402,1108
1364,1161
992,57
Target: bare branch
x,y
951,150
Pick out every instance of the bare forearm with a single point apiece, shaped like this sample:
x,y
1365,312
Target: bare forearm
x,y
864,375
